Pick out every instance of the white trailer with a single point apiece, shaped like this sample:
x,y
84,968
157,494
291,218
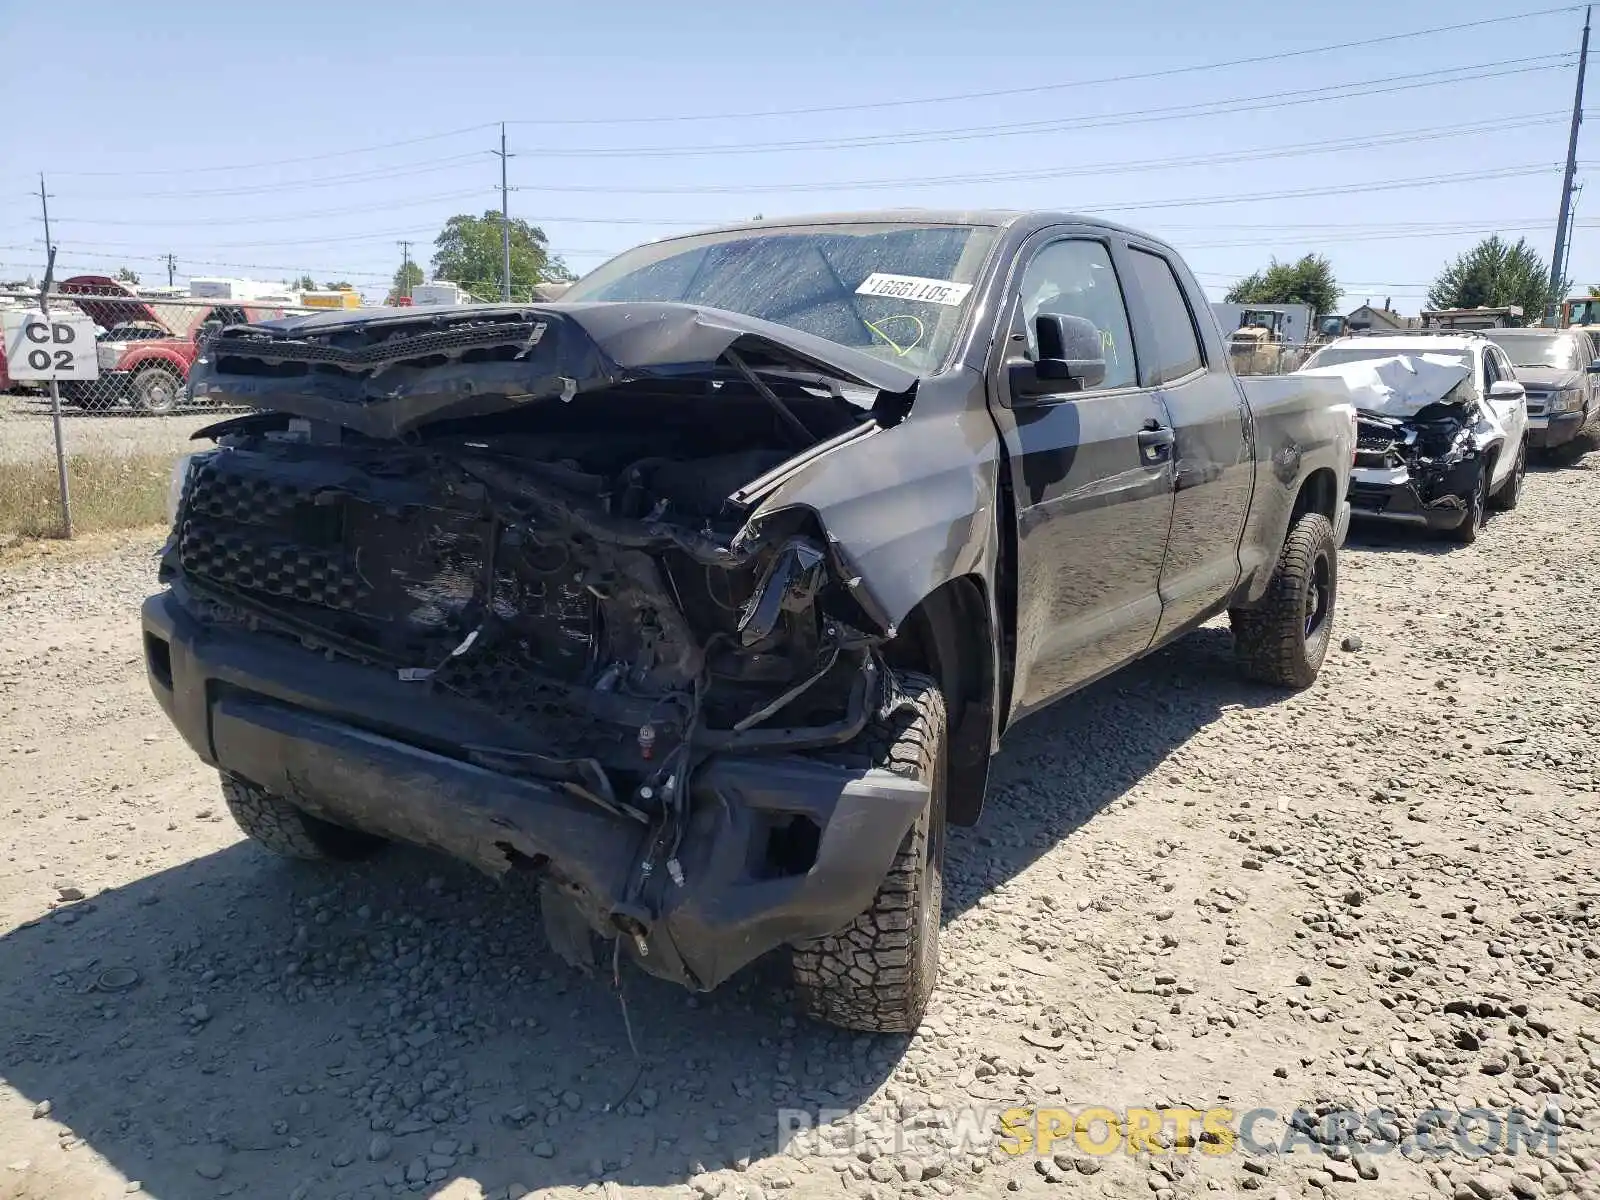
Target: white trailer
x,y
441,291
241,290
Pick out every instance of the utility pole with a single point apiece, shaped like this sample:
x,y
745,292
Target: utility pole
x,y
44,203
1572,222
172,267
1559,256
405,267
505,216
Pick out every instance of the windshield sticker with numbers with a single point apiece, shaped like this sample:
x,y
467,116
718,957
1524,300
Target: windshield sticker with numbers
x,y
914,287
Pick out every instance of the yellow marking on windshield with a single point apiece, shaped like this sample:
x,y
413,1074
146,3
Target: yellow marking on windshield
x,y
899,350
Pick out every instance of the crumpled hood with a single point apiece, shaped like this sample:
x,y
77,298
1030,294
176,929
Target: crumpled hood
x,y
1399,386
1550,379
385,372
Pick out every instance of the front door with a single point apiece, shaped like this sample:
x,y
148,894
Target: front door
x,y
1092,480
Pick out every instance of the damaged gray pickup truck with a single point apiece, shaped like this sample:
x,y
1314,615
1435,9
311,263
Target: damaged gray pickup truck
x,y
708,591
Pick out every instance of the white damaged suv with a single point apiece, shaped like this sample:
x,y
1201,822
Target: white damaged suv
x,y
1443,427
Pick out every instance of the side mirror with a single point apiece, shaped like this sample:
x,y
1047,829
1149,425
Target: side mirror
x,y
1506,389
1071,358
1594,367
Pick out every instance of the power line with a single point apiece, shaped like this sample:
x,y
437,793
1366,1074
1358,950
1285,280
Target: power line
x,y
259,220
198,168
1385,85
1036,89
191,169
375,175
1221,158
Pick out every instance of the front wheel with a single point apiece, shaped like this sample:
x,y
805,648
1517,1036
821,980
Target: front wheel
x,y
155,391
1477,509
288,830
1283,640
877,973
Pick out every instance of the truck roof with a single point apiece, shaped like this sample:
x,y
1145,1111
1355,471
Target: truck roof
x,y
998,218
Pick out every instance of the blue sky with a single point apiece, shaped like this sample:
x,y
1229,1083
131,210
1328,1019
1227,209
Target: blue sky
x,y
260,140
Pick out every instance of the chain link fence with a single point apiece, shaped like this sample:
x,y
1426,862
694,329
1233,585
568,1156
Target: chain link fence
x,y
1261,357
122,432
146,343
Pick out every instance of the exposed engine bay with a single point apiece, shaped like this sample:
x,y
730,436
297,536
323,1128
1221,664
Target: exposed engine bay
x,y
1433,454
580,569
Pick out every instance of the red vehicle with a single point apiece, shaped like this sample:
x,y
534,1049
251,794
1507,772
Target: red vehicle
x,y
145,349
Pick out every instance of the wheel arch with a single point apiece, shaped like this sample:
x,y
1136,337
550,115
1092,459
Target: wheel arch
x,y
949,635
1319,493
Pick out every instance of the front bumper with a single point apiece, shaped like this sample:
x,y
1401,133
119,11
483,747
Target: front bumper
x,y
1380,495
1555,430
357,748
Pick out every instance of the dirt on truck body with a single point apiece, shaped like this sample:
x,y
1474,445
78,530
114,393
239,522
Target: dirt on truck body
x,y
709,594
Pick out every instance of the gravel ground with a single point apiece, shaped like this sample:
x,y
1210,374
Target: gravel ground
x,y
28,434
1185,891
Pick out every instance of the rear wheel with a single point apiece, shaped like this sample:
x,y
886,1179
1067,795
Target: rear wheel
x,y
290,831
1511,490
1284,639
1477,509
155,391
877,973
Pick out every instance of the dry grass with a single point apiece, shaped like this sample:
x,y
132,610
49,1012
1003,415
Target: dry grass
x,y
109,491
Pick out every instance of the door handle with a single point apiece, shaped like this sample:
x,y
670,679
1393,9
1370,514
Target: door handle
x,y
1155,443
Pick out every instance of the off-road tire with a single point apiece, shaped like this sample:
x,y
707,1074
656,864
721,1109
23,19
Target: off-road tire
x,y
1283,640
1477,509
290,831
155,391
1511,490
876,974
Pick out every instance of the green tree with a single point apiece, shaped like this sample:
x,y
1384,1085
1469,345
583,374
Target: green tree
x,y
341,286
1495,273
406,276
127,276
307,284
1308,280
468,251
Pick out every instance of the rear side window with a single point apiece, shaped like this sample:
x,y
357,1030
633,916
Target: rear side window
x,y
1176,352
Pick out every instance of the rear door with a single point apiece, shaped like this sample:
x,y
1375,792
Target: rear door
x,y
1091,475
1212,464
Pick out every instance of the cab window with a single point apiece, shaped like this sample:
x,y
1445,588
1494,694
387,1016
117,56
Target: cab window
x,y
1075,278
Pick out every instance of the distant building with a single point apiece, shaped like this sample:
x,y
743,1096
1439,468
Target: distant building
x,y
1368,317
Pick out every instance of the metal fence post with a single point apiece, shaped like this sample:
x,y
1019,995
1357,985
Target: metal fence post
x,y
55,397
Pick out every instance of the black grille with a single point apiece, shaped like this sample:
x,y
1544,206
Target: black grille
x,y
389,556
243,564
240,498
